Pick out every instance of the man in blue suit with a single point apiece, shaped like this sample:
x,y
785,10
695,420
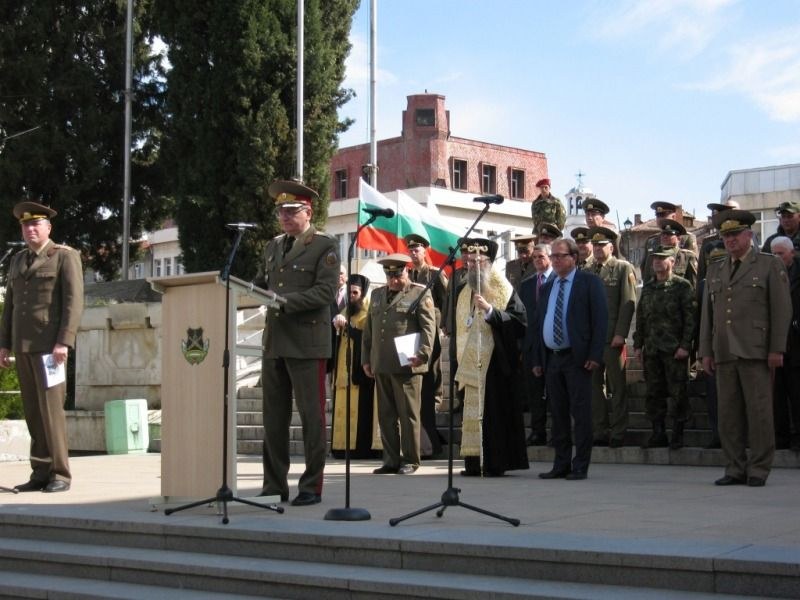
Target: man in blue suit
x,y
571,322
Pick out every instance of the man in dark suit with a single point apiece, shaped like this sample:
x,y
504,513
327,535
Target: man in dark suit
x,y
569,341
786,394
43,306
302,265
533,386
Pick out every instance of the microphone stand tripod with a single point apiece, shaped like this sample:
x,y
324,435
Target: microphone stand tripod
x,y
2,261
450,497
224,493
347,513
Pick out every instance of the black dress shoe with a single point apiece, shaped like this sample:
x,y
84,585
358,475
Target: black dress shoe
x,y
30,486
407,469
306,499
756,481
56,486
728,480
599,442
466,473
554,474
284,497
576,476
385,470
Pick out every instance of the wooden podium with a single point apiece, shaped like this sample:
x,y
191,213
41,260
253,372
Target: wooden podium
x,y
192,394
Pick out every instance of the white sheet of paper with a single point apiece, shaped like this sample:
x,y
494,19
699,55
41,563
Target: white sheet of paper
x,y
55,373
406,346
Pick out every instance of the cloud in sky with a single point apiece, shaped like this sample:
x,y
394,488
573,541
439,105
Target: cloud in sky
x,y
766,70
683,26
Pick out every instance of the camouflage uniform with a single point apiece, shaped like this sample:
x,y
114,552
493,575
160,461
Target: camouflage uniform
x,y
665,319
548,210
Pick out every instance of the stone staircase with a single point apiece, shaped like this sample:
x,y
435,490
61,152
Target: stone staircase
x,y
68,557
697,434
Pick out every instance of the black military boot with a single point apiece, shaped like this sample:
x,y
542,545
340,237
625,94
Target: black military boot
x,y
677,435
658,439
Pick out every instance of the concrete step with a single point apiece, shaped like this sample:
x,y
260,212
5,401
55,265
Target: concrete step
x,y
22,585
349,565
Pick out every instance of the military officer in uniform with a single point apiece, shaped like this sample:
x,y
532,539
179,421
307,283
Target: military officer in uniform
x,y
704,257
619,282
664,211
522,266
302,265
663,338
747,310
685,260
399,308
421,272
788,214
584,243
43,306
546,208
595,211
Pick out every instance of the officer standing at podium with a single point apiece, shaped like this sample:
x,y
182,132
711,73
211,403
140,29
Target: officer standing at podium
x,y
302,265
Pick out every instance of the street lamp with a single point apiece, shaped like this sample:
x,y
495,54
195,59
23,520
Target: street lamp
x,y
628,225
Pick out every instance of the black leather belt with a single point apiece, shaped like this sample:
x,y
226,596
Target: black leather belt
x,y
562,352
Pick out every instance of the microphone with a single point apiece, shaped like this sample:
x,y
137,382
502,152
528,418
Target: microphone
x,y
493,199
17,244
380,212
241,225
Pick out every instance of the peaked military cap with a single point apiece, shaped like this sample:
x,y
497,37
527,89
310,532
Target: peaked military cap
x,y
665,252
595,204
393,264
549,230
672,227
413,240
790,207
717,207
663,207
581,235
291,194
602,235
522,241
33,211
733,220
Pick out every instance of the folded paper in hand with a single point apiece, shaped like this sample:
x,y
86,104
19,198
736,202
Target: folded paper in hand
x,y
407,346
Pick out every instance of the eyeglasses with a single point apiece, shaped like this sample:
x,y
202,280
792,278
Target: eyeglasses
x,y
392,274
560,255
290,212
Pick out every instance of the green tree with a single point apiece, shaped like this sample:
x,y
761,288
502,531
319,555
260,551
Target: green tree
x,y
231,104
62,72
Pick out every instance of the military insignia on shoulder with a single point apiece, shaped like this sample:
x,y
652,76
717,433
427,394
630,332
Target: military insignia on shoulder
x,y
632,278
331,260
194,347
429,302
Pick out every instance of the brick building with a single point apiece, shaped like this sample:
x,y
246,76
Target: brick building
x,y
440,171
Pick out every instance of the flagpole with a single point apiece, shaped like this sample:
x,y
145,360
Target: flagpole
x,y
300,84
373,144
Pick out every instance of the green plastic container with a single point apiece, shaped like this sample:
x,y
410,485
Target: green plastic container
x,y
126,426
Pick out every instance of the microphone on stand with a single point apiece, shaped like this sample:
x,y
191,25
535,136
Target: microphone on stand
x,y
380,212
16,244
241,225
493,199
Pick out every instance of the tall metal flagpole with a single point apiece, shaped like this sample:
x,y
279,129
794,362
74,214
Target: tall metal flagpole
x,y
300,85
373,144
126,194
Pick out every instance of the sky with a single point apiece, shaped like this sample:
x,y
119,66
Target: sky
x,y
650,99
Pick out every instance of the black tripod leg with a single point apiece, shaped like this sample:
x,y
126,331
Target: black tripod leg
x,y
277,509
397,520
514,522
169,511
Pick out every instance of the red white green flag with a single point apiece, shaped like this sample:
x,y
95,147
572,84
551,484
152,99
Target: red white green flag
x,y
387,234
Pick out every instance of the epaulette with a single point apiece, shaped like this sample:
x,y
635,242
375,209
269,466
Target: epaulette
x,y
419,285
330,236
55,247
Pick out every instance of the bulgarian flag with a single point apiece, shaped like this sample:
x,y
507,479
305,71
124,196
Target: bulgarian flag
x,y
410,217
